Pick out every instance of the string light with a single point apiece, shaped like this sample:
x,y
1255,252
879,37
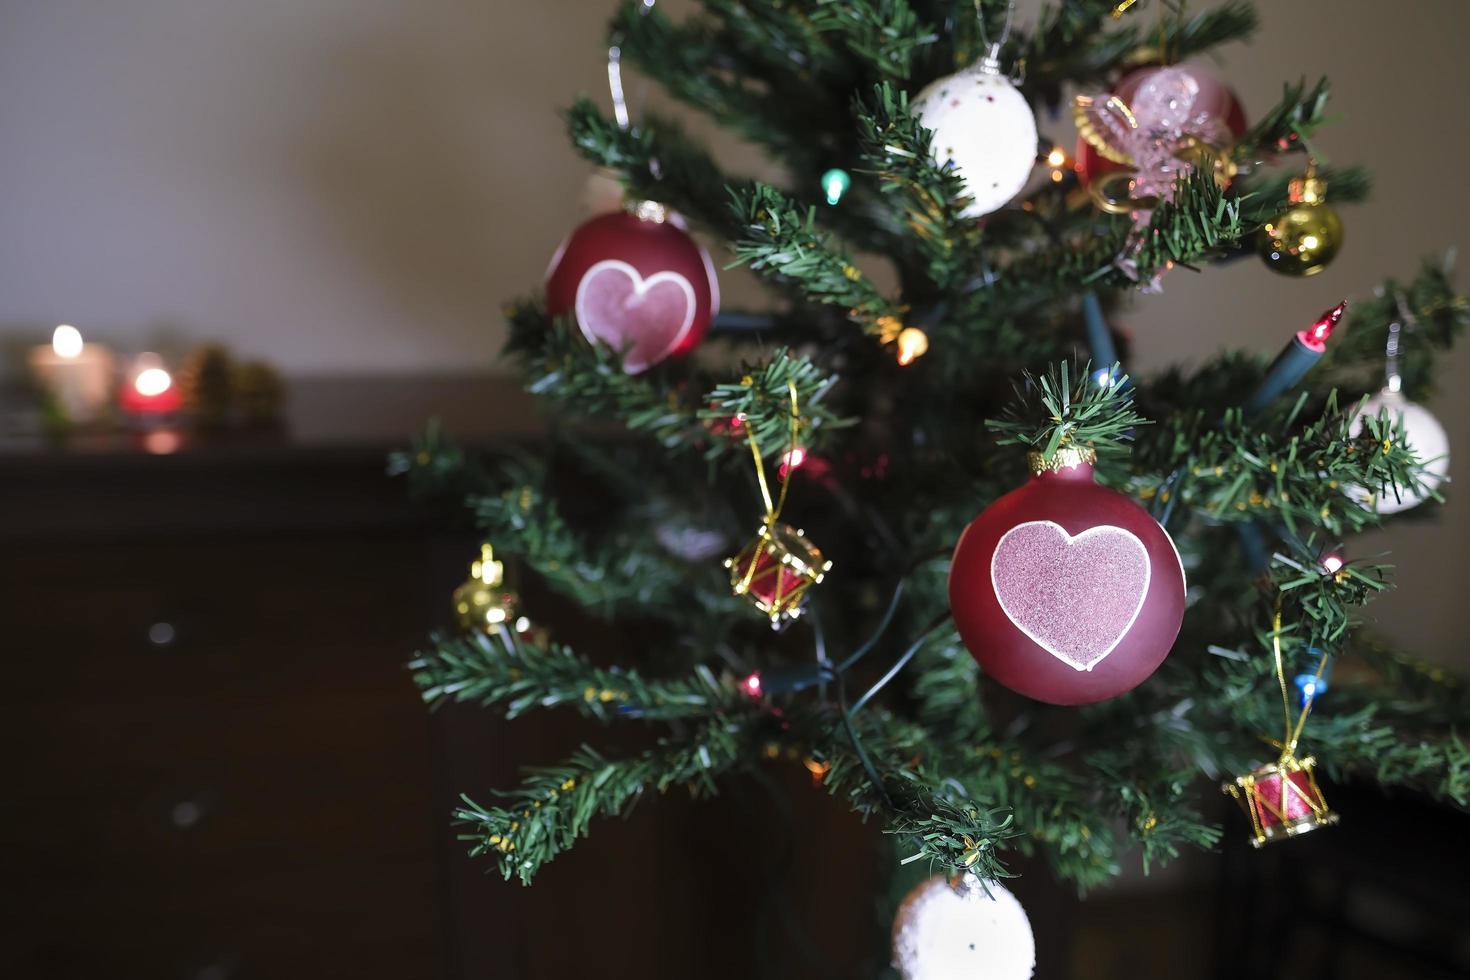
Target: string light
x,y
1311,687
1316,335
835,183
1332,562
752,685
912,344
1059,163
792,460
1304,349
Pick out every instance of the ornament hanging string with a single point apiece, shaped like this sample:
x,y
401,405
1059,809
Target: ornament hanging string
x,y
773,507
1293,731
992,49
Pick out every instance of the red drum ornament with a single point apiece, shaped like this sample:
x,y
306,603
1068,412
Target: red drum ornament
x,y
1282,800
1066,591
637,283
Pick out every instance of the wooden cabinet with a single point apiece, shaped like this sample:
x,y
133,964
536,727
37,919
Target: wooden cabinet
x,y
218,766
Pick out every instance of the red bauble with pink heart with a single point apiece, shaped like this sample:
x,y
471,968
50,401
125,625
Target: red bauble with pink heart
x,y
638,285
1064,590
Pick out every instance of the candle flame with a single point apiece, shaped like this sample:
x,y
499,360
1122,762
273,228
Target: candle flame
x,y
66,341
152,382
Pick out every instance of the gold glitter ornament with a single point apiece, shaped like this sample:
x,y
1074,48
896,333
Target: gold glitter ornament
x,y
1303,239
485,603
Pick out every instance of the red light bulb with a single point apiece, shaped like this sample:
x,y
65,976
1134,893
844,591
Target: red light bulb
x,y
752,685
1316,335
792,460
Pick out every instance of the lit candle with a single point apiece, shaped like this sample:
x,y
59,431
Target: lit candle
x,y
1305,348
75,374
149,389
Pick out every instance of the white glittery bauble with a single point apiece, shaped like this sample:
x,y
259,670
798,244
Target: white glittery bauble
x,y
1424,435
958,932
986,127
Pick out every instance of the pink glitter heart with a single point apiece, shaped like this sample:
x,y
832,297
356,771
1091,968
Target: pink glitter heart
x,y
1076,597
645,318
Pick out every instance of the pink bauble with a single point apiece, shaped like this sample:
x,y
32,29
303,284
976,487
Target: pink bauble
x,y
642,287
1066,591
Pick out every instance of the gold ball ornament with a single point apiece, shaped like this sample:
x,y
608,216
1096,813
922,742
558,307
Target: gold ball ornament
x,y
485,603
1303,239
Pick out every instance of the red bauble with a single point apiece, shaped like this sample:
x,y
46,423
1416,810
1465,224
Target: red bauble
x,y
1066,591
638,285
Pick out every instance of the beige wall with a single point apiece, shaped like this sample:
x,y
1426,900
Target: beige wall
x,y
355,185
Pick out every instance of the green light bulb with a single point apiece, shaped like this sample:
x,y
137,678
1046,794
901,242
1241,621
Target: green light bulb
x,y
835,183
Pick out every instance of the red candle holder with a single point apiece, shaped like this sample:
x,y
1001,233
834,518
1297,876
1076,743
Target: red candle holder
x,y
1282,800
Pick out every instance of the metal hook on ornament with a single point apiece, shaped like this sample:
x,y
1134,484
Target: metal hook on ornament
x,y
990,63
615,74
1393,379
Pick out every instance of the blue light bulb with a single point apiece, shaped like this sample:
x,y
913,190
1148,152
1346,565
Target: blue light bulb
x,y
1310,687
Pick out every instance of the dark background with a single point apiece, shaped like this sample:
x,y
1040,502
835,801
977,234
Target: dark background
x,y
220,769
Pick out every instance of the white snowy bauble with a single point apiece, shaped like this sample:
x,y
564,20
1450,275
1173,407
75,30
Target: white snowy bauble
x,y
986,127
1424,435
955,931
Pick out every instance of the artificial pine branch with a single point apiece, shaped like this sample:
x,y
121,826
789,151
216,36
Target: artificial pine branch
x,y
1299,114
1264,198
620,571
1066,407
657,161
743,81
516,675
1236,472
554,806
761,401
897,149
1355,361
588,380
1202,222
781,241
1070,44
885,35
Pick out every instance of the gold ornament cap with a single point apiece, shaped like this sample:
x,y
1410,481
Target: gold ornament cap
x,y
647,211
1307,189
1065,458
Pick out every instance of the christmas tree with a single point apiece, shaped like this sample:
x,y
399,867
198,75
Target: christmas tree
x,y
922,531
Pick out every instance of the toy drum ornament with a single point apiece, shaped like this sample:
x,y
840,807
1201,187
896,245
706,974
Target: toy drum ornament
x,y
775,570
1282,799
